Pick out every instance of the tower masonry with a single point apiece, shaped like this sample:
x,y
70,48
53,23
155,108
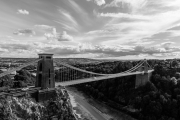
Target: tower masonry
x,y
45,72
142,79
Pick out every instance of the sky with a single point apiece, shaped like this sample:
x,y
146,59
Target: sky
x,y
120,29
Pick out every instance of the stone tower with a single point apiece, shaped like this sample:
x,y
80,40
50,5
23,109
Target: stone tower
x,y
142,79
45,72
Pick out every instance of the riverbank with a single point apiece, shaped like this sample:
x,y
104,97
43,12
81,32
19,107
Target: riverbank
x,y
105,111
82,108
80,112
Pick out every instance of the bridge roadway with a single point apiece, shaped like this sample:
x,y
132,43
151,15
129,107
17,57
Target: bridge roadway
x,y
85,80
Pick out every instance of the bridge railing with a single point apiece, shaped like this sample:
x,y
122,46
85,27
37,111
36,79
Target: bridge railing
x,y
68,73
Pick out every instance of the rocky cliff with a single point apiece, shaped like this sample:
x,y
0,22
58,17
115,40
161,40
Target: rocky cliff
x,y
25,108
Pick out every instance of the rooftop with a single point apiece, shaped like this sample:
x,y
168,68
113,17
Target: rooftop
x,y
45,54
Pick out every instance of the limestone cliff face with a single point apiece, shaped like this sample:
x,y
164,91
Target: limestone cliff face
x,y
24,108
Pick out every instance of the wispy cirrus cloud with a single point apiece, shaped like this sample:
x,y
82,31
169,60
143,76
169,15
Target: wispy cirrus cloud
x,y
67,21
66,26
77,8
124,15
137,23
67,17
82,13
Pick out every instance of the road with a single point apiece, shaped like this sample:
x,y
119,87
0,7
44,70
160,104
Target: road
x,y
81,101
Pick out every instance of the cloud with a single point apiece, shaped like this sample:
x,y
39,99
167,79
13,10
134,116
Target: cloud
x,y
177,27
15,46
141,42
167,45
67,21
166,35
24,12
133,5
98,2
7,38
44,27
19,50
69,18
24,32
83,14
52,34
117,28
77,8
3,50
89,50
62,50
49,30
110,51
124,15
139,23
58,36
67,27
64,37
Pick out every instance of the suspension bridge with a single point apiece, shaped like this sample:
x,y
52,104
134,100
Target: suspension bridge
x,y
71,75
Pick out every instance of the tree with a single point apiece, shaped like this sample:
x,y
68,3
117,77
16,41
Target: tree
x,y
174,63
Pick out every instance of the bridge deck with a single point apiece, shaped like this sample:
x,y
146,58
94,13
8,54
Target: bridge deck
x,y
78,81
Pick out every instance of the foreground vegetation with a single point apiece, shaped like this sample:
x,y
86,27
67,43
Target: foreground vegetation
x,y
25,108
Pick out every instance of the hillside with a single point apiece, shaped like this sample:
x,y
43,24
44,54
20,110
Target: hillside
x,y
25,108
159,99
